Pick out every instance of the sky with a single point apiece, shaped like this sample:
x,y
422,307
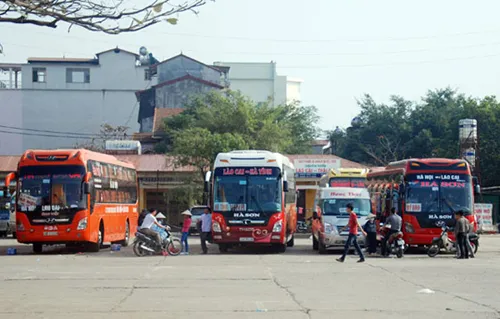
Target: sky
x,y
341,49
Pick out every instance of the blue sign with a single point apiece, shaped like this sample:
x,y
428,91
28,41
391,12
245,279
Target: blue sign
x,y
308,175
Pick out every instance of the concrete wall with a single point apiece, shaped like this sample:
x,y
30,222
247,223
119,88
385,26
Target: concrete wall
x,y
260,82
180,66
82,107
175,95
77,112
11,111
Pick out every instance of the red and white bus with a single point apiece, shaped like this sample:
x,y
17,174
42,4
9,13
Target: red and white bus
x,y
426,192
74,197
252,195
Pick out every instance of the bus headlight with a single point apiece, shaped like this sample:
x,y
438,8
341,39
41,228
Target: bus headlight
x,y
278,226
82,224
216,227
409,228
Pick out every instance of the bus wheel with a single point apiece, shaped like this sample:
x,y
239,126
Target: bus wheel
x,y
223,248
126,241
280,248
95,247
291,242
37,248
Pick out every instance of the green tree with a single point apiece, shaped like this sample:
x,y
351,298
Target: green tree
x,y
198,147
224,121
428,128
106,132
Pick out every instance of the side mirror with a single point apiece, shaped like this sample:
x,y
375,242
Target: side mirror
x,y
477,189
315,215
285,186
86,188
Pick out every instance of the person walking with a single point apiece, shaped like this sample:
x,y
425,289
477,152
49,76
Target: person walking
x,y
353,226
186,224
205,223
371,234
470,230
461,230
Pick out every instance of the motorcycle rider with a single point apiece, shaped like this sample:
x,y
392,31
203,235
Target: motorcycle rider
x,y
147,225
395,221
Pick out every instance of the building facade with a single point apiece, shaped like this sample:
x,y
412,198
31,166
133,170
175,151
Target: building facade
x,y
179,78
76,96
261,83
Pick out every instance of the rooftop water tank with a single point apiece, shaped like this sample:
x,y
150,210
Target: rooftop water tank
x,y
467,130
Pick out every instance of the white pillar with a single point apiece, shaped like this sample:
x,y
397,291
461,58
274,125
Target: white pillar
x,y
10,79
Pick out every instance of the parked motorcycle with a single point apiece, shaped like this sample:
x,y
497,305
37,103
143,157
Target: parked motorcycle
x,y
443,242
395,244
302,227
145,245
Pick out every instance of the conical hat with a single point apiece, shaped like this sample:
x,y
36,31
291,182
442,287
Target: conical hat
x,y
186,212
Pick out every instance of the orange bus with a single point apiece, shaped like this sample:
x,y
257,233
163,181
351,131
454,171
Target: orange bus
x,y
74,197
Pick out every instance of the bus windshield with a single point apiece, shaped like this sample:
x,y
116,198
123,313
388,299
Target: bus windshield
x,y
337,206
247,189
48,188
438,193
358,182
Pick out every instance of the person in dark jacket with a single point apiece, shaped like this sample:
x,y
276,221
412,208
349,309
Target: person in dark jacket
x,y
371,234
461,230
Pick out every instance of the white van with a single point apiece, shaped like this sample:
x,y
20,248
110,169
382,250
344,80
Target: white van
x,y
331,216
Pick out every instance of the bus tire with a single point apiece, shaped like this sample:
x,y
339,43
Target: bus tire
x,y
280,248
95,247
291,242
37,248
223,248
125,242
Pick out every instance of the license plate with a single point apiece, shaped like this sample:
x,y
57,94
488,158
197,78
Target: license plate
x,y
246,239
50,233
340,242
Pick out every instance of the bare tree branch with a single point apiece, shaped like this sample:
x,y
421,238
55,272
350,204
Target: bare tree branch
x,y
107,16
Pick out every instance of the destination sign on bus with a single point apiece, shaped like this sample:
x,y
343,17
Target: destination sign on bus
x,y
261,171
435,180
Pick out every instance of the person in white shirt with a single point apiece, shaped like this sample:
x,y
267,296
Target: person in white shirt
x,y
147,224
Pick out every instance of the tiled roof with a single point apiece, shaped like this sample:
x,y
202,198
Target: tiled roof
x,y
161,114
8,163
143,163
153,162
343,162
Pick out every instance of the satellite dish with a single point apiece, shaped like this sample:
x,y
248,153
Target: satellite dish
x,y
143,51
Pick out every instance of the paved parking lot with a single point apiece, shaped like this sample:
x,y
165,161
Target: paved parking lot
x,y
247,284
